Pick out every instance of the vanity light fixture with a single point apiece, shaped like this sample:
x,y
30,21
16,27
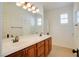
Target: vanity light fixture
x,y
18,4
22,2
29,9
28,6
34,11
33,7
25,7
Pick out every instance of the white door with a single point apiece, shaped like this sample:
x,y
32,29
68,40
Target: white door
x,y
76,24
76,29
63,31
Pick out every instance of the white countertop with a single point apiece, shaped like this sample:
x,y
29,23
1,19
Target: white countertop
x,y
9,47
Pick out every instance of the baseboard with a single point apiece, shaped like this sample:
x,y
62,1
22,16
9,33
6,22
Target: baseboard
x,y
63,46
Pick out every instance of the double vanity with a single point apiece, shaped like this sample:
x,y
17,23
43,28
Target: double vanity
x,y
27,46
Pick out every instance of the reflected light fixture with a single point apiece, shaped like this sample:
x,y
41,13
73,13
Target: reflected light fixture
x,y
37,10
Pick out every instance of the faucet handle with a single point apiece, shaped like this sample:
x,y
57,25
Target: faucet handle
x,y
12,36
17,38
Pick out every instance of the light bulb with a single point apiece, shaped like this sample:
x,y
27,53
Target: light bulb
x,y
33,11
33,7
37,10
29,9
18,4
24,7
28,5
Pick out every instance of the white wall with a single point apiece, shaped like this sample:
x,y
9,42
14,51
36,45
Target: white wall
x,y
46,22
1,15
62,34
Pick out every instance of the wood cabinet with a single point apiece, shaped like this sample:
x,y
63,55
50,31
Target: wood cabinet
x,y
16,54
31,51
39,49
50,44
24,52
46,47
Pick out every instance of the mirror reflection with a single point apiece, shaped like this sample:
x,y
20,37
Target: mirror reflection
x,y
19,22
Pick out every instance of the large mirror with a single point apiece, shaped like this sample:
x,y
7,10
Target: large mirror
x,y
38,24
18,22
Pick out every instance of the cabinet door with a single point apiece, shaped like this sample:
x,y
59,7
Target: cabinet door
x,y
40,49
46,47
50,44
31,51
24,52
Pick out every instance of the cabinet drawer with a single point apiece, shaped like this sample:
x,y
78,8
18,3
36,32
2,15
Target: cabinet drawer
x,y
40,44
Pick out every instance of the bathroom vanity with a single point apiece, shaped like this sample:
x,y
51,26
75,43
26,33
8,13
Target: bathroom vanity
x,y
31,46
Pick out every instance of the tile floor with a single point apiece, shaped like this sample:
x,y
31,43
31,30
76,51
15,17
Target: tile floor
x,y
61,52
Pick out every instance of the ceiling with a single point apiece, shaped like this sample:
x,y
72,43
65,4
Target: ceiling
x,y
52,5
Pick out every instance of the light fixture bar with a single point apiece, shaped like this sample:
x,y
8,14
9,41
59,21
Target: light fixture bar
x,y
28,6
